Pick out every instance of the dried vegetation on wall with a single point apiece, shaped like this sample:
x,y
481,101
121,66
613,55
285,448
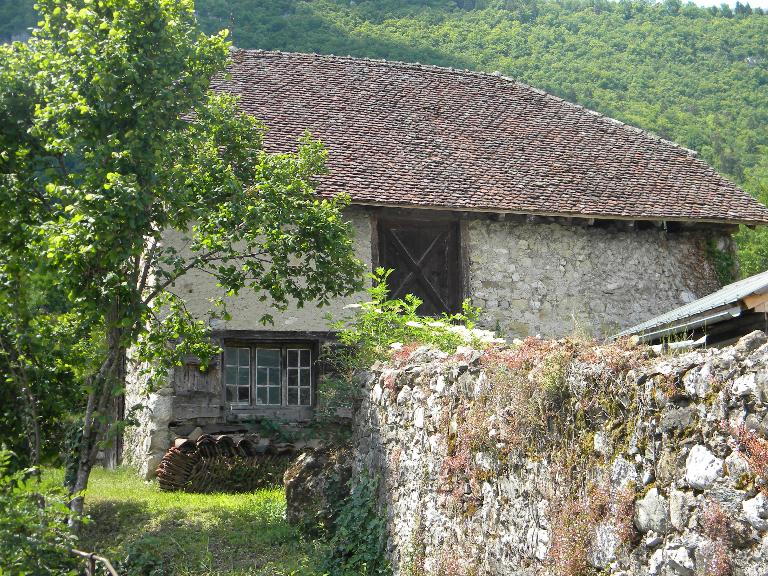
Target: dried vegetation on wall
x,y
571,458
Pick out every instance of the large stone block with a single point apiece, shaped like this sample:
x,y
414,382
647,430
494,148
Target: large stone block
x,y
702,468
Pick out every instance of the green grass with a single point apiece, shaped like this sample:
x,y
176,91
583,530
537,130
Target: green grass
x,y
153,533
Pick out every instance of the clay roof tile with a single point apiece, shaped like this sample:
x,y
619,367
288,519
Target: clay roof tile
x,y
414,135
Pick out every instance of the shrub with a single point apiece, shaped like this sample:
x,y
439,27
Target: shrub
x,y
144,557
34,537
382,325
359,541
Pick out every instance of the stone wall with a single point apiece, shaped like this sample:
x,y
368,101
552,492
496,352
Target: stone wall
x,y
146,442
648,477
552,279
529,278
198,288
544,277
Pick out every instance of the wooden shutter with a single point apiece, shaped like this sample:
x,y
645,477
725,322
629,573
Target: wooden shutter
x,y
424,255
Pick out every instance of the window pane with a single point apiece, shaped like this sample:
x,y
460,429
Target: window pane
x,y
230,375
305,399
230,356
293,357
305,358
243,394
273,377
244,376
261,376
293,395
274,395
304,377
268,357
230,394
245,357
262,396
293,377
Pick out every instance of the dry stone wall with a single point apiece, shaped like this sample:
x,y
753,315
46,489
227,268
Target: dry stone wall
x,y
661,477
552,279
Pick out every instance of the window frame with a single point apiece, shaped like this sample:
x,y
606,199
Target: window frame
x,y
283,347
238,366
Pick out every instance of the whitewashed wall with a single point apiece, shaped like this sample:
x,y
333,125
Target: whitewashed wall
x,y
198,288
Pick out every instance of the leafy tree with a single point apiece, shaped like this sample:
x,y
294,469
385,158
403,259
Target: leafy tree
x,y
124,144
753,244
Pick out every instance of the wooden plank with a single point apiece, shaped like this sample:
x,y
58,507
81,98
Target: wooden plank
x,y
755,300
373,220
274,336
464,260
425,257
413,211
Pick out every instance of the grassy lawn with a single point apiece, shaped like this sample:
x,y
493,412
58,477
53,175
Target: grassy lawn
x,y
155,533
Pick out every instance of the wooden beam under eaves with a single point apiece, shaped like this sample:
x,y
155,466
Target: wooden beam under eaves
x,y
755,301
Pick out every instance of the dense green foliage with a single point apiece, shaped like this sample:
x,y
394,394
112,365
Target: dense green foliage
x,y
34,539
380,326
358,545
16,17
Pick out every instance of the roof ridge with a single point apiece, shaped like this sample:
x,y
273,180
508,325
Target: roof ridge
x,y
481,74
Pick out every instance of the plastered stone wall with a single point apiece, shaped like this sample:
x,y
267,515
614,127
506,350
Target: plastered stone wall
x,y
680,467
198,288
529,278
146,442
552,279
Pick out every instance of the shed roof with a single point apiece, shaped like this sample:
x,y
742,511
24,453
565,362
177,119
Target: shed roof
x,y
728,302
423,136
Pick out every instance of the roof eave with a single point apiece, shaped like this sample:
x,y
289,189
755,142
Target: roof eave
x,y
580,215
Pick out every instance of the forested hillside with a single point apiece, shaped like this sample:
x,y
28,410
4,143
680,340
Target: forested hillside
x,y
693,75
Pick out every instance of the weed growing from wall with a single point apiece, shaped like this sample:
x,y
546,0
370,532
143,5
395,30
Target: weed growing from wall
x,y
530,408
716,525
755,452
381,326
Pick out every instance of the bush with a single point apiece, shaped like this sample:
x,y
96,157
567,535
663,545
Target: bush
x,y
34,537
381,326
359,541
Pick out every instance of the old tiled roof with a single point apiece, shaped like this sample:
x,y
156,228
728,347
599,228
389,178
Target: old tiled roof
x,y
412,135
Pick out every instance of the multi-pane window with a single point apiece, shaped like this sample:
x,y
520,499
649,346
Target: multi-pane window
x,y
299,377
237,375
268,375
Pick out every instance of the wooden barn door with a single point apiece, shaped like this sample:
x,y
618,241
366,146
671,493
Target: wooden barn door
x,y
424,255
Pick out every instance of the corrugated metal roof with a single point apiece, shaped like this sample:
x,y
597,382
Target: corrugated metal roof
x,y
710,309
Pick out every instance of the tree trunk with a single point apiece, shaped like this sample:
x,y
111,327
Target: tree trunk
x,y
32,420
97,418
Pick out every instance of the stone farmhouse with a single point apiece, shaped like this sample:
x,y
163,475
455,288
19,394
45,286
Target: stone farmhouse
x,y
547,215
